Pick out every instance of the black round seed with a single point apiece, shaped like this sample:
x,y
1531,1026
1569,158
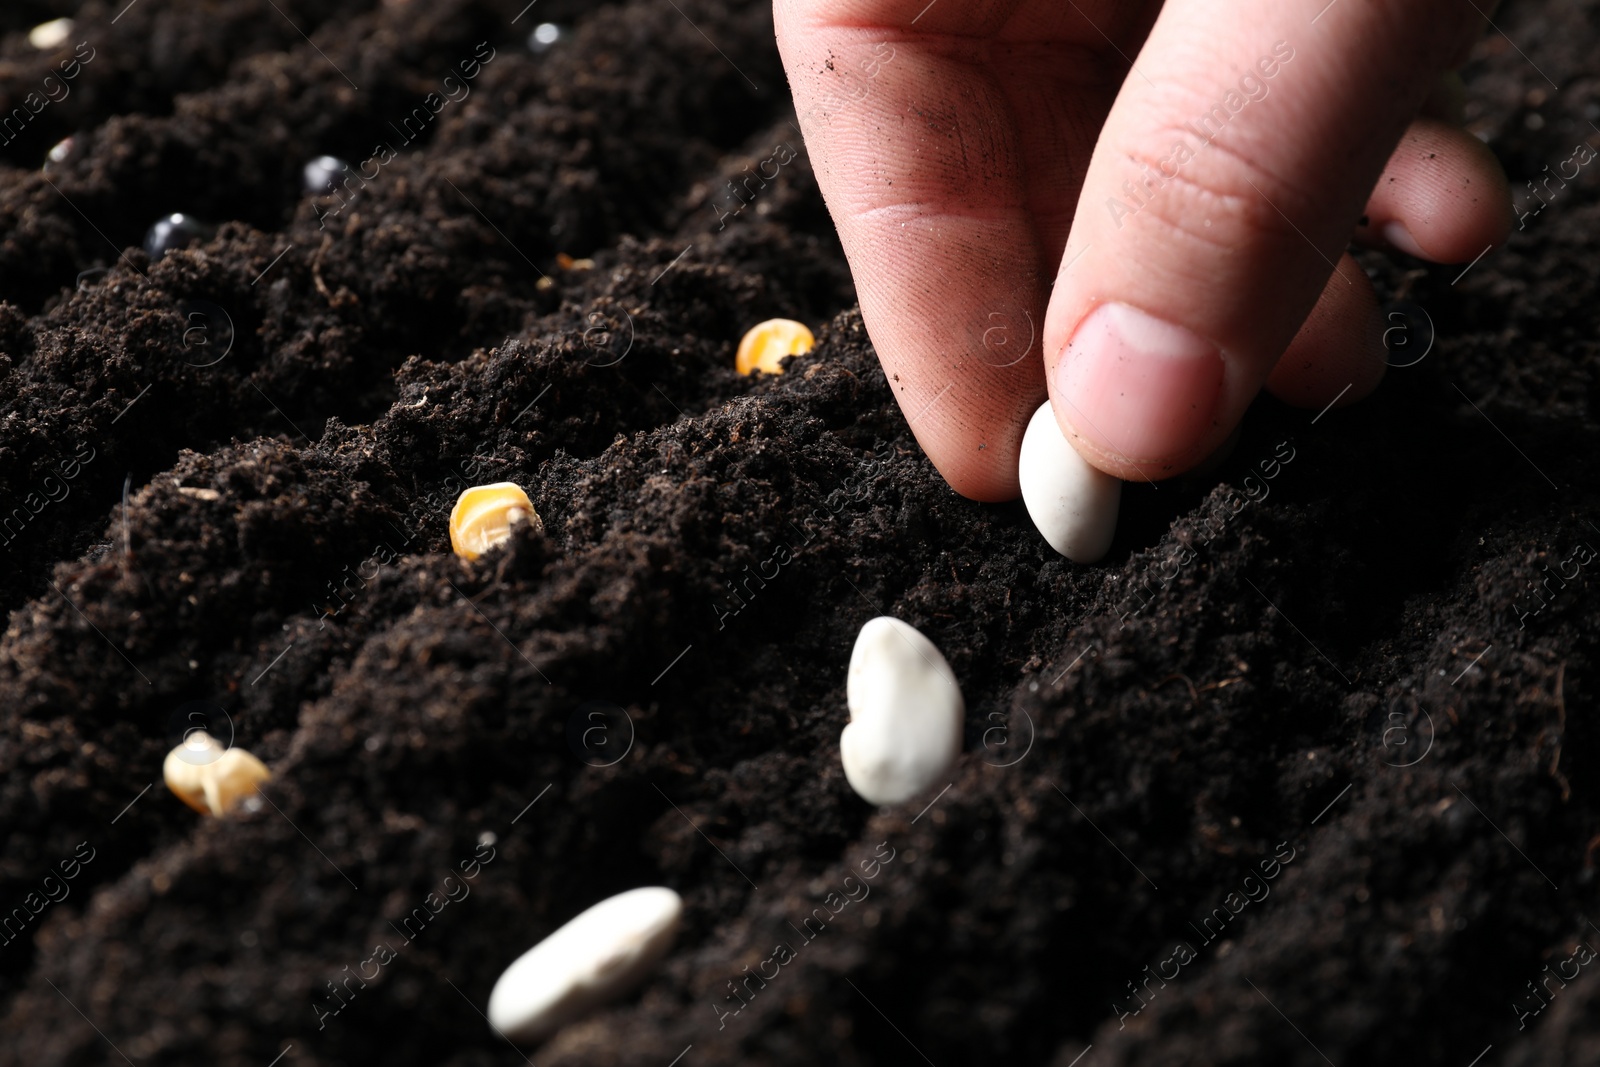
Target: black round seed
x,y
175,231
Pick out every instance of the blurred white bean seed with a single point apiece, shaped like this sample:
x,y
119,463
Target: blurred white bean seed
x,y
594,958
321,176
52,34
58,153
543,37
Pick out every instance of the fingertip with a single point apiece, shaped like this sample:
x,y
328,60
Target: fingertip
x,y
1338,356
982,472
1219,206
976,448
1442,196
985,483
1138,397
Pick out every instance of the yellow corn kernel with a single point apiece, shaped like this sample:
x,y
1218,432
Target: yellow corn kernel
x,y
483,516
209,778
767,343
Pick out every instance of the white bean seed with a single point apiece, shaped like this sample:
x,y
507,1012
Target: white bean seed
x,y
50,35
594,958
1073,504
321,176
543,37
905,713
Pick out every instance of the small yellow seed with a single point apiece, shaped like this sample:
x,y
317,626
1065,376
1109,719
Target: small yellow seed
x,y
767,343
209,778
483,516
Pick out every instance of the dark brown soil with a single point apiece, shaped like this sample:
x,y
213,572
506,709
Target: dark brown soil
x,y
1403,774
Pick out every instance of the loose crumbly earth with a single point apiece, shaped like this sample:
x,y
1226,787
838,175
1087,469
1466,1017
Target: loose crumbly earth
x,y
1140,735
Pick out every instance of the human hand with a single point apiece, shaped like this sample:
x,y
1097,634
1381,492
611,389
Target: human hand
x,y
1193,211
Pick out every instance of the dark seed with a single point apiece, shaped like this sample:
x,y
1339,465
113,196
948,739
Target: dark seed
x,y
175,231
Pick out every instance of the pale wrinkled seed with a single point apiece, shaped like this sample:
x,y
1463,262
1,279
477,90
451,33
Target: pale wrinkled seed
x,y
594,958
905,713
209,778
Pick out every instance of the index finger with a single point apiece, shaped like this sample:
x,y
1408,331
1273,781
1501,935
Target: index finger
x,y
948,143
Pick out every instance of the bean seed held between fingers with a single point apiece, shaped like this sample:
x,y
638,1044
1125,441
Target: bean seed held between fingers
x,y
1073,504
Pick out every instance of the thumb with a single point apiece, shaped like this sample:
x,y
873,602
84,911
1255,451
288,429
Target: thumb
x,y
1222,192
